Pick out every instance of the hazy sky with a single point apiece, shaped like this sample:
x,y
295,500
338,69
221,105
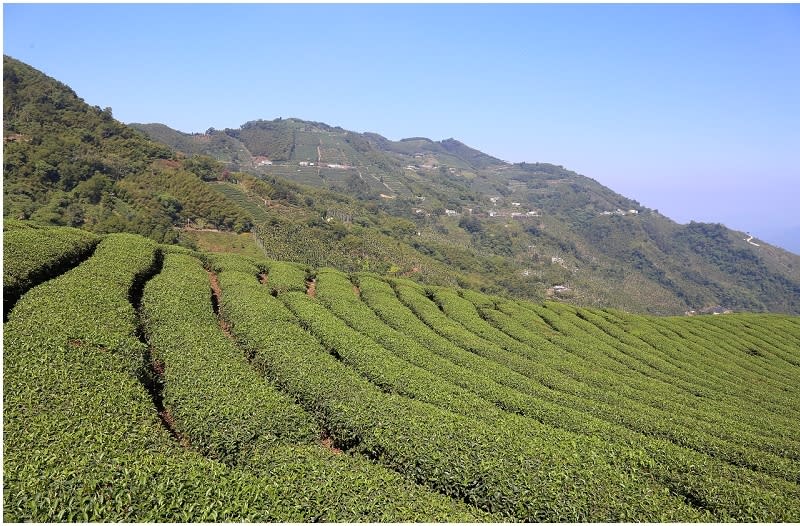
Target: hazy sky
x,y
690,109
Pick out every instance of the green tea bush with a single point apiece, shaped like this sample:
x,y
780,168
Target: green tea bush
x,y
443,402
83,442
285,277
33,255
382,368
485,465
720,487
649,414
216,399
220,262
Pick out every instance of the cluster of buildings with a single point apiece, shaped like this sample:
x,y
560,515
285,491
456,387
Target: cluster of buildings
x,y
519,215
619,212
716,310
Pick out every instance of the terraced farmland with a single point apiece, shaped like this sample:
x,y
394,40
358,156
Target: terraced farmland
x,y
150,383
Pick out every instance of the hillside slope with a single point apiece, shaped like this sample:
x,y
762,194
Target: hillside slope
x,y
437,212
68,163
556,232
304,395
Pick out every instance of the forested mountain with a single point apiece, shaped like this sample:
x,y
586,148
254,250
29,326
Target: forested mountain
x,y
69,163
537,229
438,212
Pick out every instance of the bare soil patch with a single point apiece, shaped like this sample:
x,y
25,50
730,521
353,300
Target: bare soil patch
x,y
311,288
169,422
327,443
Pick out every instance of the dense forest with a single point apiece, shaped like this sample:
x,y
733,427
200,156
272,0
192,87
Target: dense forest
x,y
68,163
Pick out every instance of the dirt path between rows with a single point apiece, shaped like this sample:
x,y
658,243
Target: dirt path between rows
x,y
216,301
311,288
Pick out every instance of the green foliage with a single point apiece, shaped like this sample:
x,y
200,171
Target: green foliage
x,y
285,277
417,439
82,441
171,190
390,373
66,163
32,255
212,144
69,164
720,487
238,263
215,398
205,167
642,261
118,262
58,140
532,412
273,139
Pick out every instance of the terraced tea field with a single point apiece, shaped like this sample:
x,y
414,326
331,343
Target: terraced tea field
x,y
145,382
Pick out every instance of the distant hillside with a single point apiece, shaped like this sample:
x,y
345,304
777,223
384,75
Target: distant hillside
x,y
67,163
438,212
226,149
532,229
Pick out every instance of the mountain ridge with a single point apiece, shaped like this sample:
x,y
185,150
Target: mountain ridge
x,y
417,168
436,211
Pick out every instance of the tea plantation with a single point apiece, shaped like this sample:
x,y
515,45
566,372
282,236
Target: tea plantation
x,y
146,382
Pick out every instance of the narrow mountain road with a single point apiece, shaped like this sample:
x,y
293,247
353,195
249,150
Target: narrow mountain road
x,y
319,159
749,240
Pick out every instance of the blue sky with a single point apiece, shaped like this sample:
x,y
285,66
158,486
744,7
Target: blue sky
x,y
691,109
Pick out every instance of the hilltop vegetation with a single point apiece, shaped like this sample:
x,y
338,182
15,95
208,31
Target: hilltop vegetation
x,y
67,163
437,212
224,388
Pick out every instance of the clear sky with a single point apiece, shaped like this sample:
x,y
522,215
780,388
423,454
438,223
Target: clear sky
x,y
691,109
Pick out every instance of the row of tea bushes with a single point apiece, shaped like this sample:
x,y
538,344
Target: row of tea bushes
x,y
721,487
229,412
218,402
33,255
83,441
544,477
672,406
692,433
382,368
